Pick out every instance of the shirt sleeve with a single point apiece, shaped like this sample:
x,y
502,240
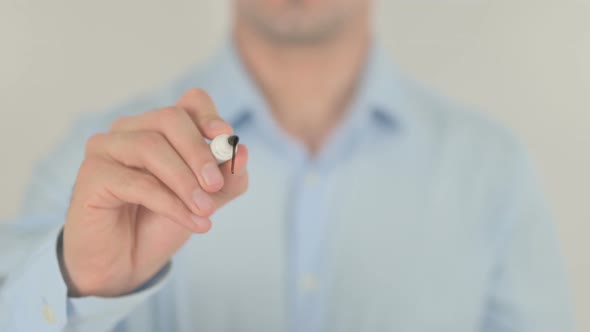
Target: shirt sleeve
x,y
529,288
48,194
33,295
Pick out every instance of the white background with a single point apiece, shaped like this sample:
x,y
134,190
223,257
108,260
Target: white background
x,y
527,62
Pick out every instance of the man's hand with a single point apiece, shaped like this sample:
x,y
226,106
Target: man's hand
x,y
141,192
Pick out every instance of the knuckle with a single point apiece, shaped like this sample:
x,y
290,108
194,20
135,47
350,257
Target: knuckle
x,y
120,123
170,117
142,183
183,180
173,204
170,203
150,140
200,154
168,113
197,93
94,142
89,167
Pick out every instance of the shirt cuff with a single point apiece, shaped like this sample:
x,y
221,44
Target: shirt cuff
x,y
101,314
34,297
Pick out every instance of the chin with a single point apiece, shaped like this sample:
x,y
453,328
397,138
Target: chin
x,y
299,21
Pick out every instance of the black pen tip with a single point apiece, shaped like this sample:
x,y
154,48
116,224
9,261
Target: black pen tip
x,y
233,140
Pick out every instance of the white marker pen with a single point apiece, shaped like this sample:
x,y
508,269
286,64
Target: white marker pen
x,y
225,147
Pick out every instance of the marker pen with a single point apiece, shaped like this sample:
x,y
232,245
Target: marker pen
x,y
224,148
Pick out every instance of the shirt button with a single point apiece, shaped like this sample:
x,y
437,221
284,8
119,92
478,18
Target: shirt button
x,y
309,283
311,179
48,314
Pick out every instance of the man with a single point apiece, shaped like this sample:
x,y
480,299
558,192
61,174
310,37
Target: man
x,y
373,205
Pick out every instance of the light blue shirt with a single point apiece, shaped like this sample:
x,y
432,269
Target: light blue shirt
x,y
417,215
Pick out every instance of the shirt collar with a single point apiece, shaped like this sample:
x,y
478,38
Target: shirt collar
x,y
379,99
235,93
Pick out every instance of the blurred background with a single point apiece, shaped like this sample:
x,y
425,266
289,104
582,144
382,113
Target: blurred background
x,y
525,62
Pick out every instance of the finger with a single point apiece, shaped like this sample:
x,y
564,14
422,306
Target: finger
x,y
152,152
235,184
122,185
178,128
203,112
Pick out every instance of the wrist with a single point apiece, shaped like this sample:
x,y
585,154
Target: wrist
x,y
72,291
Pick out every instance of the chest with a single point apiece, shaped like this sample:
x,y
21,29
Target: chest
x,y
398,244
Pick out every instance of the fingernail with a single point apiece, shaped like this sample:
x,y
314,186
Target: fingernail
x,y
200,222
211,174
203,201
217,124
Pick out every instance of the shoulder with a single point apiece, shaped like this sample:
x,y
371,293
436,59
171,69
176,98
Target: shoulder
x,y
460,131
475,157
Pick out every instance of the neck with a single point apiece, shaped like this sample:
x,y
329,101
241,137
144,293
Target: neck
x,y
308,87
